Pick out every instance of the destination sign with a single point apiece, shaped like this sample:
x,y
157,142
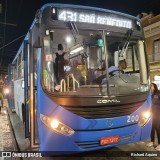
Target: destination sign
x,y
94,18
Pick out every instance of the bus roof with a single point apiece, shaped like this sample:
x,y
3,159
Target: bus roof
x,y
87,7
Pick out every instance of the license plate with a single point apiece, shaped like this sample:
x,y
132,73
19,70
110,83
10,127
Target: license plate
x,y
109,140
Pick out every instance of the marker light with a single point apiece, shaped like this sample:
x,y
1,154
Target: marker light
x,y
56,125
145,118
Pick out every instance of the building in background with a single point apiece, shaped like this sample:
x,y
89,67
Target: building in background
x,y
151,27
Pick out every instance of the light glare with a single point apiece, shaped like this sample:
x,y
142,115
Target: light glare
x,y
6,91
54,124
147,114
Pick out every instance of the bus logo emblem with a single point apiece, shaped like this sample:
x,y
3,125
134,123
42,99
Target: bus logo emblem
x,y
108,101
109,123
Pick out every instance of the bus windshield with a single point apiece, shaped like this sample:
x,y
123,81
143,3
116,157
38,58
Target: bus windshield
x,y
93,63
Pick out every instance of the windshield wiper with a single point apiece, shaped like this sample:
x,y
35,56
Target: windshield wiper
x,y
74,30
125,46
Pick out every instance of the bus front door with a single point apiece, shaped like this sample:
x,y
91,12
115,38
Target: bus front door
x,y
33,52
30,81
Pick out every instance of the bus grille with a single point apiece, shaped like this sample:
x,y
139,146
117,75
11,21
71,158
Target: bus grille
x,y
95,112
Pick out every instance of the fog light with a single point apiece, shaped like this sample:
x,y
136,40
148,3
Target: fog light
x,y
56,125
145,118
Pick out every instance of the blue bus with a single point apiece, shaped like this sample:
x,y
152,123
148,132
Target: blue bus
x,y
67,84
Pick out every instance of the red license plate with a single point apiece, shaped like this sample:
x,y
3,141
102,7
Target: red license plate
x,y
109,140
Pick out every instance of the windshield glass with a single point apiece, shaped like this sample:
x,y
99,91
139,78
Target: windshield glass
x,y
85,62
126,64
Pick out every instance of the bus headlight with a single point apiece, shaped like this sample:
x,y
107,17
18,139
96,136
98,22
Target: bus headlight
x,y
147,114
56,125
145,118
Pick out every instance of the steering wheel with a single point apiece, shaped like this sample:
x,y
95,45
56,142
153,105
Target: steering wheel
x,y
117,70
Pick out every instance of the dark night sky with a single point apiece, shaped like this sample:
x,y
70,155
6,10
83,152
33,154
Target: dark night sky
x,y
21,13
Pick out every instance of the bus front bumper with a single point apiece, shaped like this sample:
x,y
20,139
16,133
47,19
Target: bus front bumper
x,y
85,140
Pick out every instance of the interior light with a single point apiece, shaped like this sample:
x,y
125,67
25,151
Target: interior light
x,y
76,50
108,33
47,32
157,77
51,30
68,39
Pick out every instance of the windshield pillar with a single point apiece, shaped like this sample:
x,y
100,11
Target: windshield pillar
x,y
106,62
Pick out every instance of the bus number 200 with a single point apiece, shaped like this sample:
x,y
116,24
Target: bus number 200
x,y
132,118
